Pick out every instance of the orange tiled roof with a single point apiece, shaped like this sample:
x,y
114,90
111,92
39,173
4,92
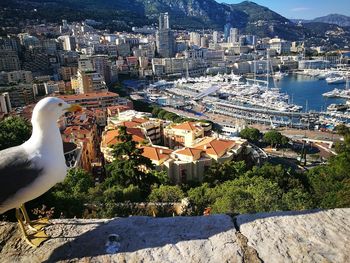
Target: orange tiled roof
x,y
188,126
155,153
133,123
118,107
139,120
215,147
110,137
76,130
98,110
128,124
189,152
90,95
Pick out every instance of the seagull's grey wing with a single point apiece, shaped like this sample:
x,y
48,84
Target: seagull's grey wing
x,y
16,171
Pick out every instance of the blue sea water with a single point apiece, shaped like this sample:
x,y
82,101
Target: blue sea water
x,y
303,89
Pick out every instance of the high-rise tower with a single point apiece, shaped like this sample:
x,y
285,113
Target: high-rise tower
x,y
165,41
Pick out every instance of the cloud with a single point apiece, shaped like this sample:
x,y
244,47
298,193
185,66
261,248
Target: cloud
x,y
300,9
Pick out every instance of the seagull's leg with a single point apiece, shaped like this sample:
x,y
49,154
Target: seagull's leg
x,y
20,222
27,219
33,240
34,225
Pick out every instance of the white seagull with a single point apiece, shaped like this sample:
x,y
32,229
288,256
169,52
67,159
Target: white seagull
x,y
29,170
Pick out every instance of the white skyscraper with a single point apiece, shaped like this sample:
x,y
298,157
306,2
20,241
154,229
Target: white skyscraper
x,y
195,38
234,35
215,37
165,41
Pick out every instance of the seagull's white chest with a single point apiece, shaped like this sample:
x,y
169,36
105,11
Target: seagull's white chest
x,y
50,157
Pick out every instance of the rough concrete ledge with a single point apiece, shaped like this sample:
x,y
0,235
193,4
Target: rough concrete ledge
x,y
310,236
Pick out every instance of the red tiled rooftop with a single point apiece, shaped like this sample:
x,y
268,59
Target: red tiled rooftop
x,y
90,95
188,126
189,152
216,146
110,137
155,153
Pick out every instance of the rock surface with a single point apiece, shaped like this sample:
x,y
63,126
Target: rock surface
x,y
310,236
143,239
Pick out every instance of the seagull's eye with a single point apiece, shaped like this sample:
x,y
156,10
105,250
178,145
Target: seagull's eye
x,y
60,104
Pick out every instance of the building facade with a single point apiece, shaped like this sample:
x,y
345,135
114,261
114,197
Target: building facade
x,y
165,40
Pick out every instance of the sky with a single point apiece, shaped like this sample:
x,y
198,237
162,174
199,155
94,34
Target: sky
x,y
303,9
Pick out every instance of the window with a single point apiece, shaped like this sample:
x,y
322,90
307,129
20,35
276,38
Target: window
x,y
183,176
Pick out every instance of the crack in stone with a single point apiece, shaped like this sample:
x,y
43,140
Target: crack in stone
x,y
250,255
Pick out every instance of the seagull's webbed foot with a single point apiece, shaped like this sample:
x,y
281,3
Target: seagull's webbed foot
x,y
35,239
39,223
34,225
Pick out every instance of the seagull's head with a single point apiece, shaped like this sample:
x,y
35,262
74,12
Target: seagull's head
x,y
51,109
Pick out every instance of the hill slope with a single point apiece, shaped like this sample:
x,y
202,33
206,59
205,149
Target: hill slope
x,y
185,14
336,19
119,15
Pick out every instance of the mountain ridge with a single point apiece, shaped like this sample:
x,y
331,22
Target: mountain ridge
x,y
122,15
249,17
334,19
337,19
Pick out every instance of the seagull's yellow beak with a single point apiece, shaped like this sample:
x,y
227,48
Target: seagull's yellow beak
x,y
74,108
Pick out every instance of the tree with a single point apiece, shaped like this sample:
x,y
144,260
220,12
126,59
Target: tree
x,y
221,172
297,199
274,138
69,196
251,134
162,176
247,195
166,193
330,183
345,145
132,193
161,114
14,131
155,111
170,116
76,183
129,165
200,197
285,179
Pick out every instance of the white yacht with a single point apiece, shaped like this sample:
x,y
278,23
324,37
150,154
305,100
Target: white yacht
x,y
337,107
332,93
336,80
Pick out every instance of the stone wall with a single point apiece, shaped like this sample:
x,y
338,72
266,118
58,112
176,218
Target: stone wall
x,y
307,236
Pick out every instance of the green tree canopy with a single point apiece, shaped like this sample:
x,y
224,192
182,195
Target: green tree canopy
x,y
69,196
247,195
330,184
129,165
275,138
161,114
251,134
155,111
166,193
14,131
221,172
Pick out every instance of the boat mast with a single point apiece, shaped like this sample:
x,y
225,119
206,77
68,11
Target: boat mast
x,y
254,68
267,68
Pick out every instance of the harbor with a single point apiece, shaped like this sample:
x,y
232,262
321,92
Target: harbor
x,y
295,100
